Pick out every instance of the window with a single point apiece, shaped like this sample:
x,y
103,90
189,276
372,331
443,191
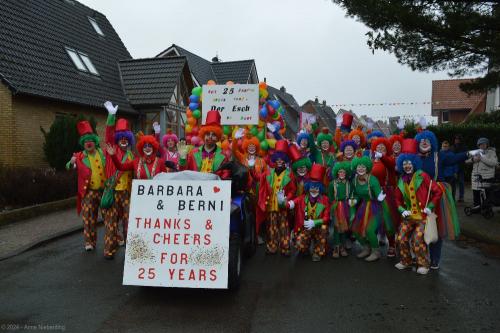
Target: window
x,y
96,26
445,116
82,61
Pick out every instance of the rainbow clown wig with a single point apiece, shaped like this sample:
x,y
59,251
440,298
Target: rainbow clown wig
x,y
415,161
348,143
147,139
364,160
426,134
346,166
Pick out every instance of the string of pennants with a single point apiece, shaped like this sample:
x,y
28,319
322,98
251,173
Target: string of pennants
x,y
396,103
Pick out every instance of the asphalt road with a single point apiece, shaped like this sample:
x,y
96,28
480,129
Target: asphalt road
x,y
60,284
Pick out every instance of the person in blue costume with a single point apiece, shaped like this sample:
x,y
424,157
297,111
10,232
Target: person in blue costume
x,y
434,163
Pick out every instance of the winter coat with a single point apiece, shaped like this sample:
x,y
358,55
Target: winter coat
x,y
485,168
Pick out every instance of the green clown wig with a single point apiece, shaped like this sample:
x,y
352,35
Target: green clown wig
x,y
346,166
364,160
89,137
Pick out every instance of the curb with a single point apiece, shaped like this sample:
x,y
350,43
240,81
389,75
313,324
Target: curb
x,y
34,211
480,236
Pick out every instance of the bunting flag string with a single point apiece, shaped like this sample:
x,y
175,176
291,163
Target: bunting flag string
x,y
397,103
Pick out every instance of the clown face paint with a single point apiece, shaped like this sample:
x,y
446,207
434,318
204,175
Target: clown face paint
x,y
170,144
407,166
210,140
356,139
280,163
89,146
381,148
304,143
341,174
147,149
325,145
424,145
349,151
314,191
361,170
301,171
396,147
251,149
123,143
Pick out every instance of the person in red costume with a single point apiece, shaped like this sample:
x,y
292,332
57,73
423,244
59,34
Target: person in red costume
x,y
396,143
277,186
168,150
147,165
384,168
209,157
312,215
90,165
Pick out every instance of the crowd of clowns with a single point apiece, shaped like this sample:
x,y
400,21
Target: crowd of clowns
x,y
357,182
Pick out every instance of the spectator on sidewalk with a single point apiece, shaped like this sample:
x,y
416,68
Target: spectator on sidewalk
x,y
449,171
484,162
459,147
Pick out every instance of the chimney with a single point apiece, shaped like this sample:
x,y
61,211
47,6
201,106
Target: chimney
x,y
324,102
265,80
283,89
215,59
316,100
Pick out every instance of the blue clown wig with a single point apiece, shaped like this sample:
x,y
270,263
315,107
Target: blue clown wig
x,y
127,135
346,143
415,160
310,183
305,135
429,136
373,134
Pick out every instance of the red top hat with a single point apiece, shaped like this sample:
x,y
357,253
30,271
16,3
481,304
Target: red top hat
x,y
294,153
84,127
281,146
347,120
121,125
213,118
409,146
317,172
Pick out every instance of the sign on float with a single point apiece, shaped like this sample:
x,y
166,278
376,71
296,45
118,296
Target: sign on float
x,y
178,234
238,104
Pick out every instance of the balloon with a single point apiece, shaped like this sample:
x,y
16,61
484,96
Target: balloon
x,y
277,125
195,140
225,144
193,106
197,114
211,83
269,135
227,129
188,139
264,145
191,121
194,99
261,123
195,130
275,104
254,130
276,116
229,83
263,113
263,85
188,128
261,136
282,131
196,91
189,113
272,143
265,94
272,112
262,100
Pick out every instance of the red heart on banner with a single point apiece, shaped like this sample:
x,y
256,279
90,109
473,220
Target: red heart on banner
x,y
216,189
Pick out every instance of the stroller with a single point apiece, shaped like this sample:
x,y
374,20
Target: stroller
x,y
490,197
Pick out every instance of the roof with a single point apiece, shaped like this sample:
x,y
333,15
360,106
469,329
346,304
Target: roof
x,y
151,81
221,72
326,113
33,59
291,118
447,95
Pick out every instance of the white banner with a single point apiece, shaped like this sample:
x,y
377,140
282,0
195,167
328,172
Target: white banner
x,y
238,104
178,234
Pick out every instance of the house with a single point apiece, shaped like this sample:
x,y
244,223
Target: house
x,y
292,109
451,104
324,113
57,57
356,121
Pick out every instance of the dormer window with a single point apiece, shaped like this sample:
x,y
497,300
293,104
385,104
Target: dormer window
x,y
97,29
82,61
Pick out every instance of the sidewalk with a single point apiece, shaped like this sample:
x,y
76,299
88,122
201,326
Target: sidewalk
x,y
20,236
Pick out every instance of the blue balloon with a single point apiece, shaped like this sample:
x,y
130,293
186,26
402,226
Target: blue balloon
x,y
263,113
277,125
193,106
275,104
194,99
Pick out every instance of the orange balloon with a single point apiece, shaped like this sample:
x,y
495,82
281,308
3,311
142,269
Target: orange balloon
x,y
191,121
189,113
263,85
211,83
229,83
225,144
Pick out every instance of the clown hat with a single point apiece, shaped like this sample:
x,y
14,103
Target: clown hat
x,y
346,121
294,153
122,125
212,124
280,151
409,146
317,173
298,160
84,127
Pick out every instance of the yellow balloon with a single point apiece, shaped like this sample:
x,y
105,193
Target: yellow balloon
x,y
272,143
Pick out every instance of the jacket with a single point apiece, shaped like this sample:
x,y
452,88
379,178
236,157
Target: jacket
x,y
485,168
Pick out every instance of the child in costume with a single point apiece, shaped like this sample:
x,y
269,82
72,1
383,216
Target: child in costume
x,y
358,136
396,142
168,150
339,192
118,135
277,186
312,215
91,167
367,195
417,195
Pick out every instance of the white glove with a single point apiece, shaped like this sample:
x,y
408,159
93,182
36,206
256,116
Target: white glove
x,y
405,213
338,120
381,196
427,211
378,155
251,162
239,133
111,109
309,224
281,197
183,150
401,124
291,204
353,202
271,128
156,127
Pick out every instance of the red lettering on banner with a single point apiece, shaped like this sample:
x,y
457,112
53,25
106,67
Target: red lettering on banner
x,y
171,271
208,239
202,275
138,221
157,224
196,239
155,240
192,276
187,224
213,275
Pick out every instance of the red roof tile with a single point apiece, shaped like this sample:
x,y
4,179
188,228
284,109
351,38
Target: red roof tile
x,y
446,95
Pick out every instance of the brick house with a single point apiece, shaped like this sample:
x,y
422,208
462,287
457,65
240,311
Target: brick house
x,y
450,104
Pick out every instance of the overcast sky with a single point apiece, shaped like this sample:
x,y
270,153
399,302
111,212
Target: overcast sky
x,y
308,46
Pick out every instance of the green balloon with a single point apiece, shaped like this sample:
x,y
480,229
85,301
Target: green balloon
x,y
261,136
197,114
196,91
254,130
227,129
264,145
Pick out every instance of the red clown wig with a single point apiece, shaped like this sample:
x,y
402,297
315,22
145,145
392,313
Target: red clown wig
x,y
377,141
147,139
